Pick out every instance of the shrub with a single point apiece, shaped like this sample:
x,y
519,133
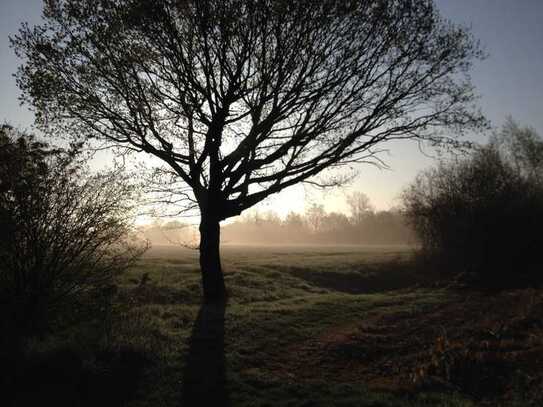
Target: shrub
x,y
469,366
482,215
64,235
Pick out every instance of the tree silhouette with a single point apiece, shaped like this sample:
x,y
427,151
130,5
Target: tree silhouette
x,y
64,236
482,215
240,99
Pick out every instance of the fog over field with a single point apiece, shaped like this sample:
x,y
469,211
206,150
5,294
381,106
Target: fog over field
x,y
255,203
361,225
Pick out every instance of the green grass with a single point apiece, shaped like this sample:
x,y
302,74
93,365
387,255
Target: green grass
x,y
279,297
304,326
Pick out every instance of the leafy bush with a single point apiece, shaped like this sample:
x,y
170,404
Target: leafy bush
x,y
482,215
64,235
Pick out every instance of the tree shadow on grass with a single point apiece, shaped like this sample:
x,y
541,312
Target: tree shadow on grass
x,y
204,377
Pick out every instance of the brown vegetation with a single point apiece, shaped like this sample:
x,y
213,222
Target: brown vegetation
x,y
489,347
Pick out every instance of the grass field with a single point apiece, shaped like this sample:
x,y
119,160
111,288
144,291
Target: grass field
x,y
313,326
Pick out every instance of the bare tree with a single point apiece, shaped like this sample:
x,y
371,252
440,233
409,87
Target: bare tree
x,y
360,206
240,99
315,215
522,148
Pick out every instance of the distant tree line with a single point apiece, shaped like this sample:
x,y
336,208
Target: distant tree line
x,y
364,225
172,232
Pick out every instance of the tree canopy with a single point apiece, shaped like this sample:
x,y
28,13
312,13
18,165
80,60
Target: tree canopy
x,y
240,99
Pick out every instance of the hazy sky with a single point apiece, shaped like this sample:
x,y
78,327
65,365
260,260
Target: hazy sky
x,y
509,82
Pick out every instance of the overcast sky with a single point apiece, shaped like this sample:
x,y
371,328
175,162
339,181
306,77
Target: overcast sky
x,y
509,82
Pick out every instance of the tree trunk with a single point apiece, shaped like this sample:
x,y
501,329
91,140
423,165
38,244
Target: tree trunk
x,y
210,260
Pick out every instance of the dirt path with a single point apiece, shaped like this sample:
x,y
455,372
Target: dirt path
x,y
474,344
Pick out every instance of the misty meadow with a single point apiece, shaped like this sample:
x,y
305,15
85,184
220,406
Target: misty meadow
x,y
201,204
